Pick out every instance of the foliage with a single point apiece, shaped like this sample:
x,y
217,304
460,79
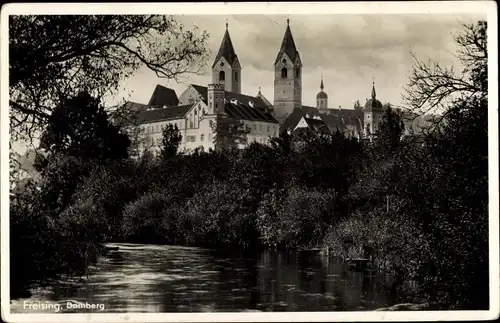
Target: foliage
x,y
79,127
297,217
229,133
152,218
418,206
390,131
53,57
170,142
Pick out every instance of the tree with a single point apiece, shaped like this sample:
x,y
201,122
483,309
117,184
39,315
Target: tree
x,y
433,87
229,133
390,130
448,193
79,127
171,140
52,57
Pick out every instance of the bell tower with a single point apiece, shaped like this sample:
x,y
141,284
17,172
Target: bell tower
x,y
287,78
226,68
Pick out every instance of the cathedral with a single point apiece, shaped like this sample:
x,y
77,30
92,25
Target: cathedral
x,y
198,108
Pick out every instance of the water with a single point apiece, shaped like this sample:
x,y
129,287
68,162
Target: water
x,y
156,278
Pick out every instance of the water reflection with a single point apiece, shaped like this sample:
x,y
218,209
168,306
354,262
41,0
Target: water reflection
x,y
151,278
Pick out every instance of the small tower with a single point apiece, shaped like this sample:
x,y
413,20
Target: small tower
x,y
322,98
216,99
373,113
226,68
287,78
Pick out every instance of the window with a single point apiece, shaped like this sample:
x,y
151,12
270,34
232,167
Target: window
x,y
191,139
156,128
148,130
284,61
222,76
191,124
284,73
211,124
297,72
261,128
202,137
236,76
254,127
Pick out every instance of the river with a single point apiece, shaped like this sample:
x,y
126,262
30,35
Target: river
x,y
158,278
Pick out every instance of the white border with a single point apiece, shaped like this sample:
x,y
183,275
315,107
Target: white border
x,y
416,7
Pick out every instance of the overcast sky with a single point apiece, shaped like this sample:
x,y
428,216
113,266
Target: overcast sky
x,y
349,50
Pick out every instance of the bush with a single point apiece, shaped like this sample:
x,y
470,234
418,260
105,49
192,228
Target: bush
x,y
217,216
151,219
297,217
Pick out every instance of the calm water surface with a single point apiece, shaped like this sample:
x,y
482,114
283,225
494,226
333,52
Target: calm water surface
x,y
154,278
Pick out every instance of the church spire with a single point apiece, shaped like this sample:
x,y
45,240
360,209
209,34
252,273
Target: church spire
x,y
321,86
373,91
226,49
288,44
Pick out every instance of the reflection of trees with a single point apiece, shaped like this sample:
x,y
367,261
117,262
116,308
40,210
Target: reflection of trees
x,y
269,281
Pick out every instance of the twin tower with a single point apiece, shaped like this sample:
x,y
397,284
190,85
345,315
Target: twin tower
x,y
287,73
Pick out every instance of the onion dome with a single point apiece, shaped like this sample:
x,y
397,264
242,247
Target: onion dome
x,y
373,104
321,94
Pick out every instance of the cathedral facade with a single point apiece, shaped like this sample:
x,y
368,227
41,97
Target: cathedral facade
x,y
198,108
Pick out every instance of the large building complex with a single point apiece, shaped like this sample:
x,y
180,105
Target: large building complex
x,y
197,110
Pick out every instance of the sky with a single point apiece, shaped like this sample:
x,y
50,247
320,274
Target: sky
x,y
350,51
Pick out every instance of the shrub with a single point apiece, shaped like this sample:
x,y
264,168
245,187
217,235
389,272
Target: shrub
x,y
297,217
151,219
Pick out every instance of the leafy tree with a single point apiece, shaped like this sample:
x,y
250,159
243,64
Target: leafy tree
x,y
229,133
451,202
79,127
52,57
171,141
390,130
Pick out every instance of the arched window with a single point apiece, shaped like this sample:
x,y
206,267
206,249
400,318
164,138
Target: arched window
x,y
236,76
297,72
284,73
222,76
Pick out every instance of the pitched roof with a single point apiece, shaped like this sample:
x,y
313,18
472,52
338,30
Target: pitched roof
x,y
163,96
288,45
292,120
226,49
159,114
127,115
334,119
244,99
334,122
246,112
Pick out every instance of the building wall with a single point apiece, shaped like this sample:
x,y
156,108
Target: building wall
x,y
152,134
373,119
260,131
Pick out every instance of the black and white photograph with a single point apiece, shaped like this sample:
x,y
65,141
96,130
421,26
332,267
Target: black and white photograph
x,y
249,161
